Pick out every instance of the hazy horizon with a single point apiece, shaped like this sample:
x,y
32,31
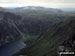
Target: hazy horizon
x,y
43,3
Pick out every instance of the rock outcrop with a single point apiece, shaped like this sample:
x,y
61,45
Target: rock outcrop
x,y
9,31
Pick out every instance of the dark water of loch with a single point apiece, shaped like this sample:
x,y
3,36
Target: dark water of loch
x,y
11,49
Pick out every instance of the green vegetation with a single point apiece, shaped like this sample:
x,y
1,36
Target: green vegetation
x,y
29,37
27,24
51,40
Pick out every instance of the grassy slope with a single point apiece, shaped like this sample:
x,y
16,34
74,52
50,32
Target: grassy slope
x,y
29,37
51,39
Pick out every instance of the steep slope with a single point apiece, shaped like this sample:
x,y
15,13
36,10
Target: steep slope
x,y
36,19
8,28
51,39
29,20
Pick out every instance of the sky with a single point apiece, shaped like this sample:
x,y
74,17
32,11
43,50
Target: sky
x,y
44,3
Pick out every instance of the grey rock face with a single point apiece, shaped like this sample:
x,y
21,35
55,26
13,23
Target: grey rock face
x,y
8,28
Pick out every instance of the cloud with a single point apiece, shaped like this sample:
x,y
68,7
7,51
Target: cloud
x,y
46,3
60,1
43,1
67,1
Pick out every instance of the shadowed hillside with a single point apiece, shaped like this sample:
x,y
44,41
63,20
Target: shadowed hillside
x,y
29,22
9,31
60,34
16,23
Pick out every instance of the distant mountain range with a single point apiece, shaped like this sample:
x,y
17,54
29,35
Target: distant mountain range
x,y
38,7
67,9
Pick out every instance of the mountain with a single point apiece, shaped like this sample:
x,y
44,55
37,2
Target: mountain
x,y
14,26
68,9
9,31
37,8
58,36
31,20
